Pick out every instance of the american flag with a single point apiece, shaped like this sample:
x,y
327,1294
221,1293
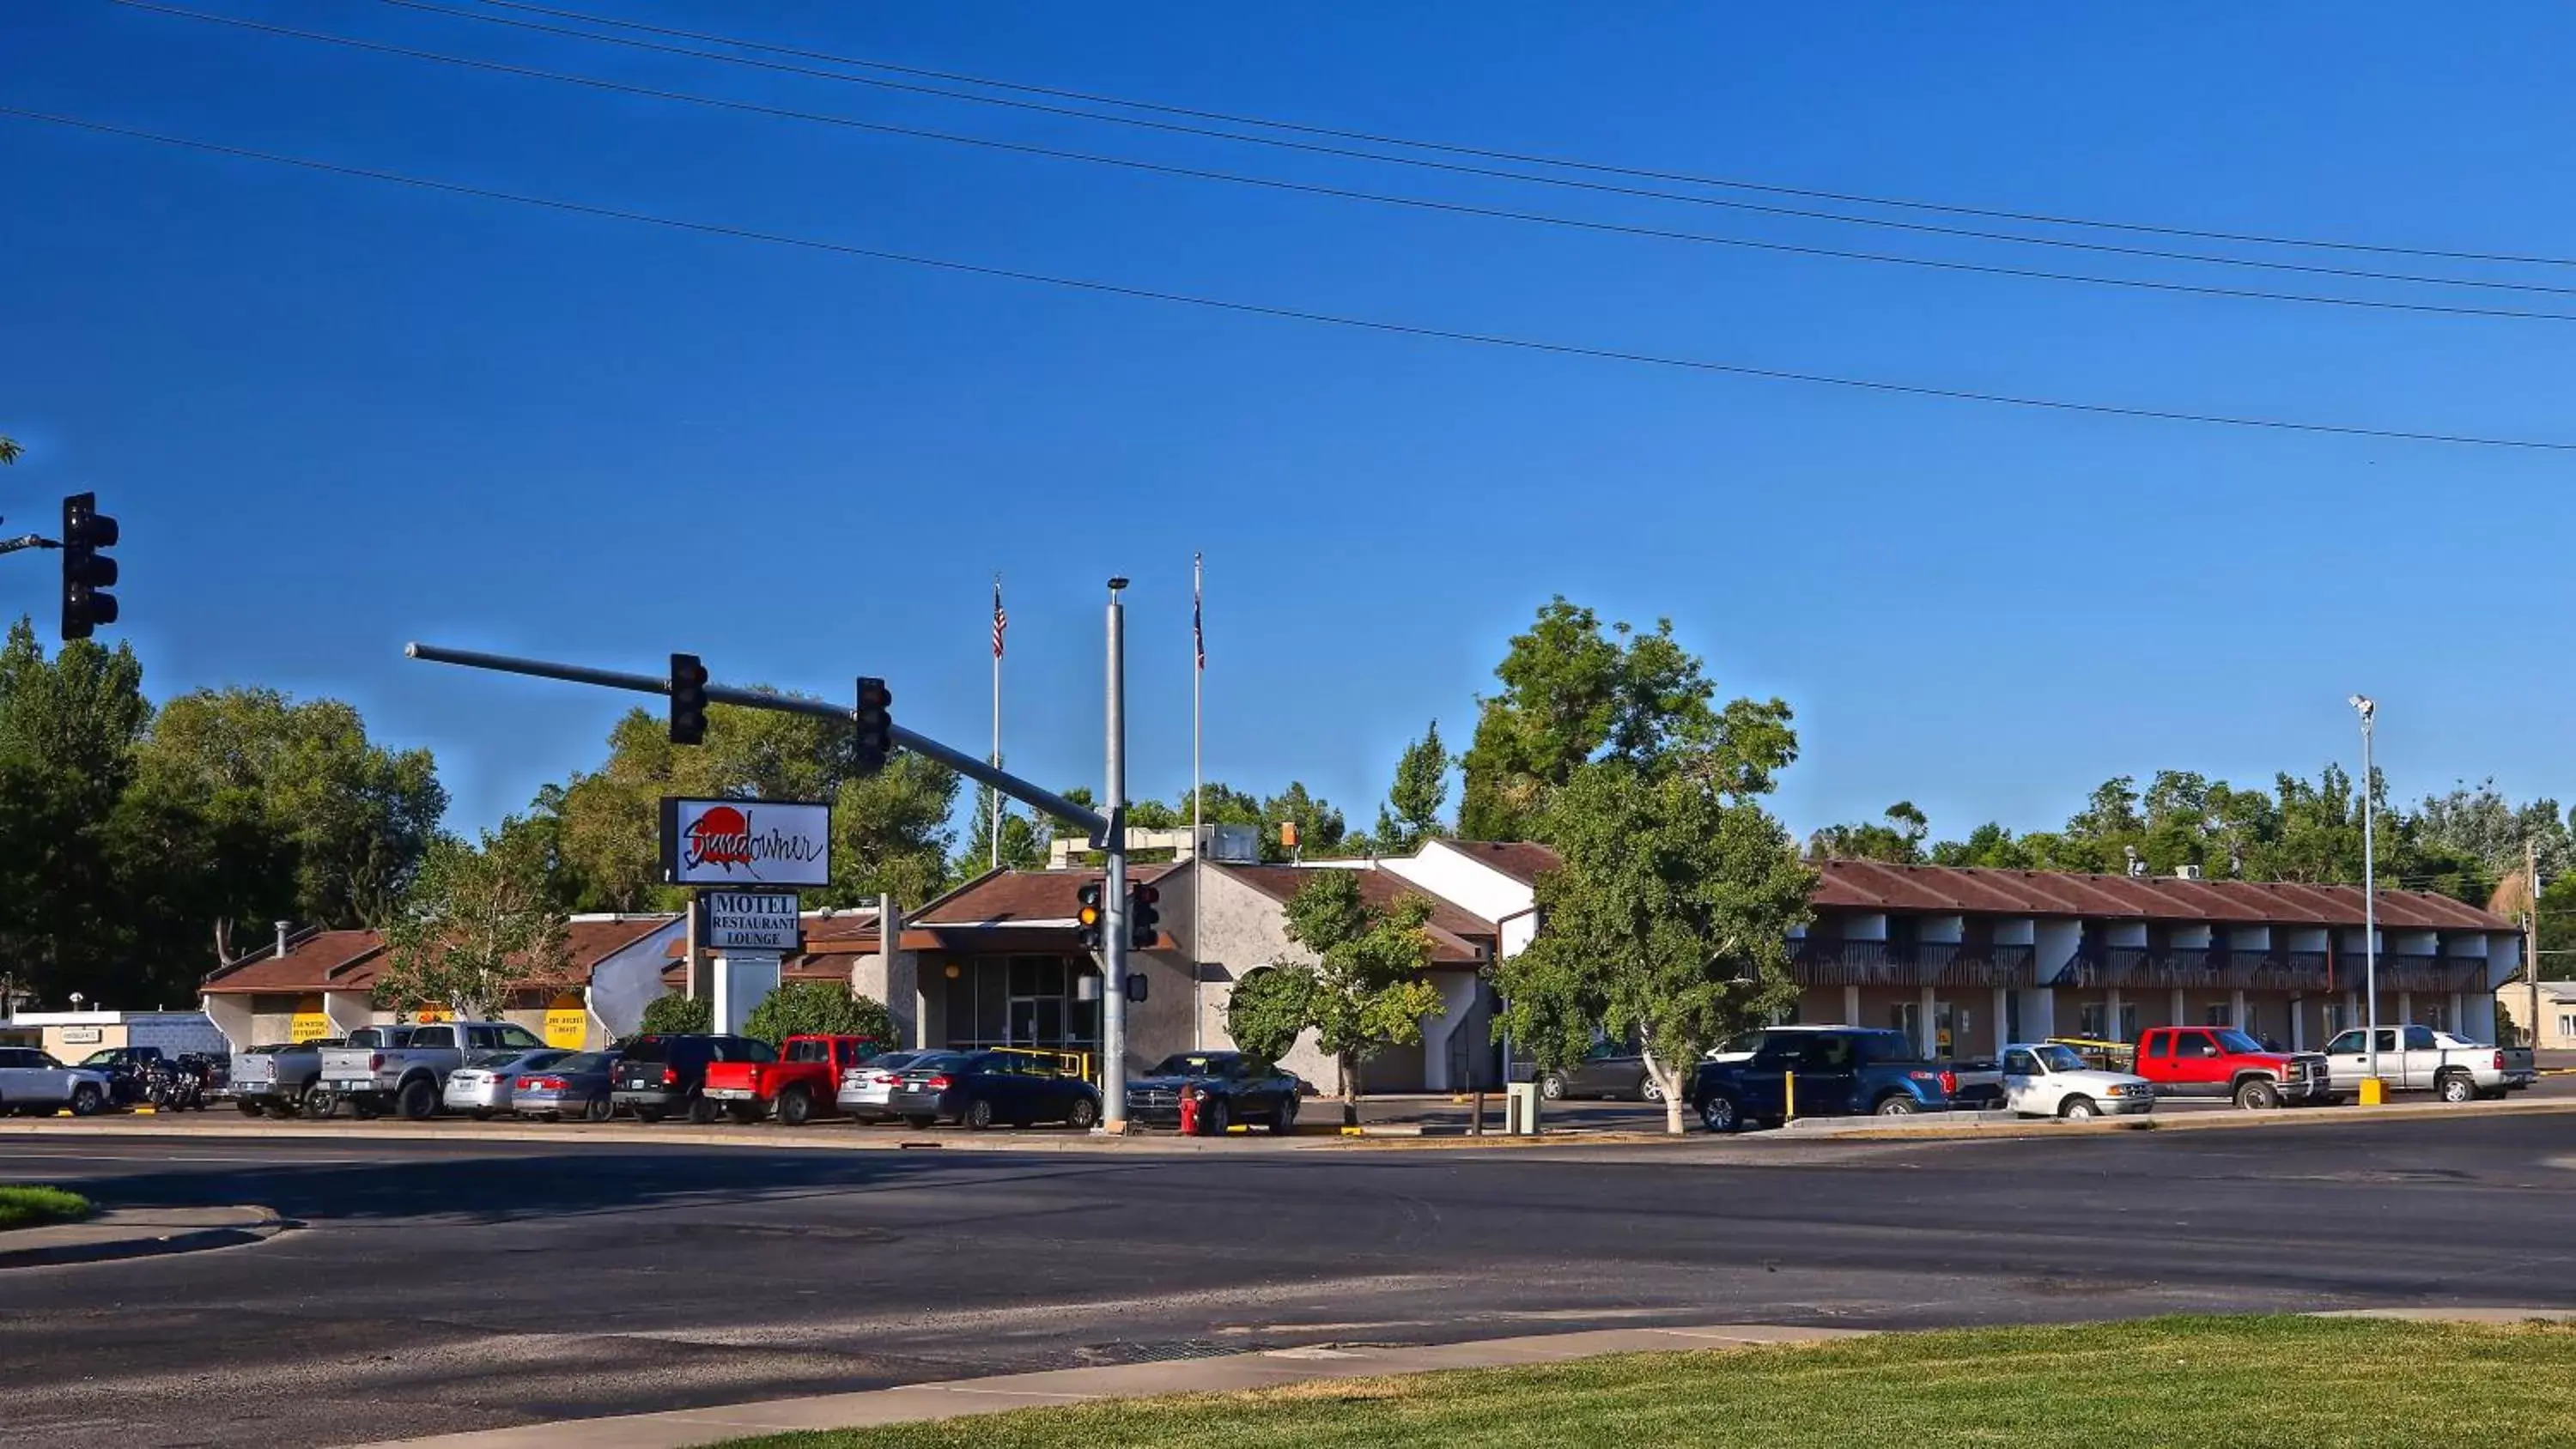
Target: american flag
x,y
1198,629
1001,620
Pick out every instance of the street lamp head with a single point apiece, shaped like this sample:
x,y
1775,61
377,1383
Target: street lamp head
x,y
1117,583
2365,704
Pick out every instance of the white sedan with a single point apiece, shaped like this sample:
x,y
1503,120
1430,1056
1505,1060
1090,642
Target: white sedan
x,y
2048,1080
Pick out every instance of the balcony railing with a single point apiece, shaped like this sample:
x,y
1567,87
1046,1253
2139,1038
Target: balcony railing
x,y
2420,973
2165,968
1884,963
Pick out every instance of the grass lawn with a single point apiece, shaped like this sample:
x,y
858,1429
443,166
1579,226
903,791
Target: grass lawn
x,y
33,1207
2205,1383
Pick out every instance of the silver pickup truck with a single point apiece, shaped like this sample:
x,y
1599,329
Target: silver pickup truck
x,y
404,1069
2421,1059
280,1080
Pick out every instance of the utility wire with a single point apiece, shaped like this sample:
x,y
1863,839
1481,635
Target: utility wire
x,y
1293,314
1524,158
1346,194
1485,171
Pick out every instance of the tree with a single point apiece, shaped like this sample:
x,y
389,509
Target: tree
x,y
1363,984
678,1015
477,923
10,452
1411,813
67,731
1320,830
1898,842
1268,1010
890,833
1024,843
1573,693
819,1008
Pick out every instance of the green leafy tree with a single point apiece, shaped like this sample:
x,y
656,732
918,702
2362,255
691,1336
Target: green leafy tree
x,y
818,1008
1411,813
1269,1009
10,452
678,1015
67,731
477,923
1024,840
1363,986
1898,842
890,833
1320,829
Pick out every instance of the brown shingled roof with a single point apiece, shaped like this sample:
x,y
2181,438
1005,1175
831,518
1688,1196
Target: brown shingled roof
x,y
351,960
1872,885
1019,897
1523,860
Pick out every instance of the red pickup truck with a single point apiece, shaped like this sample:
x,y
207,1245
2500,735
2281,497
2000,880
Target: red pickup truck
x,y
2220,1061
803,1081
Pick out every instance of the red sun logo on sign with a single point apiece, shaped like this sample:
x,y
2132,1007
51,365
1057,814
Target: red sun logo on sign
x,y
722,836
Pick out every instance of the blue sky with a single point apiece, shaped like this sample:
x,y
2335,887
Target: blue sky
x,y
334,415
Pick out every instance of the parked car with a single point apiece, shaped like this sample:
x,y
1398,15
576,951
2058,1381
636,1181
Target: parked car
x,y
2220,1061
1230,1087
805,1078
581,1084
404,1068
2420,1059
32,1081
983,1089
1607,1070
2043,1079
864,1088
1840,1071
659,1075
280,1080
483,1086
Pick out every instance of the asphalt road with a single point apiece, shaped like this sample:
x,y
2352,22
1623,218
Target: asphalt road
x,y
456,1284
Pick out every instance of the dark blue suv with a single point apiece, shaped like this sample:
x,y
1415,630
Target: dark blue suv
x,y
987,1088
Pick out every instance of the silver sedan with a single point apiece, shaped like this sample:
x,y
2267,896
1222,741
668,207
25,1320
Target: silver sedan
x,y
483,1088
577,1086
865,1087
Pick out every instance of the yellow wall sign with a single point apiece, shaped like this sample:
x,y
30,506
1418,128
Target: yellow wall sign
x,y
428,1014
308,1026
567,1028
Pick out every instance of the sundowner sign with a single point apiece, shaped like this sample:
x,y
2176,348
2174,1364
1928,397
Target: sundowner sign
x,y
746,842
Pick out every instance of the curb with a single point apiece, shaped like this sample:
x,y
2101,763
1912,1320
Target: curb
x,y
146,1239
2206,1121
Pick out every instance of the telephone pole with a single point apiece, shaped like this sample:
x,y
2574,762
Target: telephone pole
x,y
2531,933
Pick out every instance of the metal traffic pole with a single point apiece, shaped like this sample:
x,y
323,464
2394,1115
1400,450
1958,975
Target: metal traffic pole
x,y
2369,710
1113,894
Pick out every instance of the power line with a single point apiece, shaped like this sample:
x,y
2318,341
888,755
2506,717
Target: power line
x,y
1491,172
1447,148
1293,314
1343,193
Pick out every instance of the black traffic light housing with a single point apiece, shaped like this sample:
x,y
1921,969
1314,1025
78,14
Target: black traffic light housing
x,y
688,700
875,720
1144,922
87,570
1087,918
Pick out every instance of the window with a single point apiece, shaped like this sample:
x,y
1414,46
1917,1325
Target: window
x,y
2334,1018
2093,1023
431,1038
2020,1062
2161,1046
2567,1023
2218,1014
2345,1044
518,1037
2419,1039
2198,1045
815,1050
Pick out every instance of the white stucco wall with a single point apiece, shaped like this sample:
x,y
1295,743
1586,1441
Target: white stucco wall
x,y
627,980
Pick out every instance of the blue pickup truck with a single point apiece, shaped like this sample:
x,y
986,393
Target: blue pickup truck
x,y
1839,1072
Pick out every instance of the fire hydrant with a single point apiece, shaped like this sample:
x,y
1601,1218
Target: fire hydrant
x,y
1190,1112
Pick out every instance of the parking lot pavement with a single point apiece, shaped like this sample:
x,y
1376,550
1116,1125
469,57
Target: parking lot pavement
x,y
454,1282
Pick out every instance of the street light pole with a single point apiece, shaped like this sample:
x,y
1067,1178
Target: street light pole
x,y
2369,711
1113,894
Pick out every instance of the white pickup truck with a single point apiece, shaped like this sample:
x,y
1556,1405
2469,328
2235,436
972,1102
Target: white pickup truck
x,y
2044,1079
2420,1059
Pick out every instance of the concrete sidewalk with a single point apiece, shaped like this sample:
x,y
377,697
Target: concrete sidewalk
x,y
921,1403
138,1233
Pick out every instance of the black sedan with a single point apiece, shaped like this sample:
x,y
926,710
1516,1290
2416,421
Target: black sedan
x,y
986,1089
1230,1088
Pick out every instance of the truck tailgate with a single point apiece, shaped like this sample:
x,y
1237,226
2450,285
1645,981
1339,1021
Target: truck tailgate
x,y
739,1080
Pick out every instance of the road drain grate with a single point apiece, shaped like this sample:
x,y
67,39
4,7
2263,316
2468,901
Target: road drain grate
x,y
1168,1351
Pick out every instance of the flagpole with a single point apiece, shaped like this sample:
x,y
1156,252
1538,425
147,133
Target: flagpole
x,y
995,824
1198,811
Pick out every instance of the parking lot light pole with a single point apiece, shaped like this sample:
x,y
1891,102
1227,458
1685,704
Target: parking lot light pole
x,y
2368,709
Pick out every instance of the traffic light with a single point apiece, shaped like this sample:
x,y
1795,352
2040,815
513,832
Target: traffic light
x,y
87,571
875,722
1087,917
688,700
1144,923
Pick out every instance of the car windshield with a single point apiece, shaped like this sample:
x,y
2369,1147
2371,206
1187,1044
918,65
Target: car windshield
x,y
2060,1059
1198,1064
2236,1042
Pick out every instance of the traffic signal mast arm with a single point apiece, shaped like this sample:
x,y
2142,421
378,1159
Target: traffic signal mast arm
x,y
1036,797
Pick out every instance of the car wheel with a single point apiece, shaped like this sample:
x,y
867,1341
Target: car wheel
x,y
1897,1105
417,1101
2458,1087
248,1107
319,1105
1650,1090
1083,1115
1721,1115
920,1121
2077,1109
598,1109
795,1107
1212,1117
702,1113
87,1100
1283,1117
650,1114
2258,1095
979,1114
1552,1087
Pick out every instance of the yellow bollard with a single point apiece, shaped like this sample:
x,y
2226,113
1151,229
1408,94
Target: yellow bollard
x,y
2374,1092
1788,1097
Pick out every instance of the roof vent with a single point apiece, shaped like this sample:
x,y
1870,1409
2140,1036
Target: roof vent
x,y
284,929
2186,872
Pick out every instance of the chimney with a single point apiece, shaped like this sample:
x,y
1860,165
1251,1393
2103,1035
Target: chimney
x,y
283,929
